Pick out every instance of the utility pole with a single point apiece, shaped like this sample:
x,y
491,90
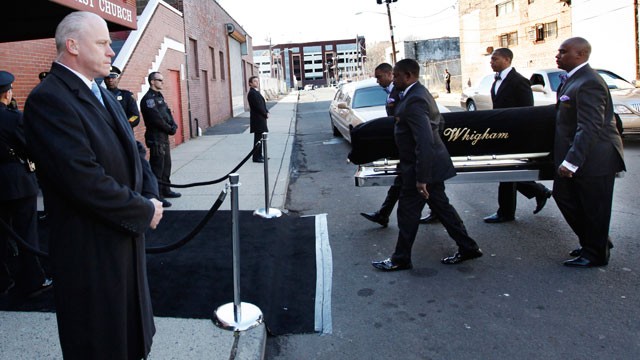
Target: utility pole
x,y
393,43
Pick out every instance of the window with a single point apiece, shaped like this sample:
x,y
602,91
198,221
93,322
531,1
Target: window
x,y
221,54
504,8
213,62
531,2
509,39
193,58
539,32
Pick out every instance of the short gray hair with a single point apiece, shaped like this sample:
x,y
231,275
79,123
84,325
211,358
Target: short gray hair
x,y
71,26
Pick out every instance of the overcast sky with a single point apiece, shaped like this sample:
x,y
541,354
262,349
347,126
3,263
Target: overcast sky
x,y
287,21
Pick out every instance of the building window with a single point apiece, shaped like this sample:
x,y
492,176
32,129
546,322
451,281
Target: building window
x,y
530,1
213,62
221,65
540,32
193,61
504,8
509,39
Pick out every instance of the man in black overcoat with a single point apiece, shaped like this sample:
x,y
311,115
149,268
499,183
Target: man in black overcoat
x,y
587,153
101,197
18,201
510,89
258,116
424,166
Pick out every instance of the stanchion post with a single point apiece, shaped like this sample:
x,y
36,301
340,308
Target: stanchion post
x,y
266,212
236,316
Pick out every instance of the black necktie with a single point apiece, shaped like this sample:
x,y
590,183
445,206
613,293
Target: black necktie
x,y
493,86
497,77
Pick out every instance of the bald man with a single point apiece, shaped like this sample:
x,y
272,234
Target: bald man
x,y
587,154
101,197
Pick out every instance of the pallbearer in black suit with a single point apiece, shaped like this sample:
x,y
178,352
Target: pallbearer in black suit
x,y
384,76
510,89
258,116
424,166
18,194
587,152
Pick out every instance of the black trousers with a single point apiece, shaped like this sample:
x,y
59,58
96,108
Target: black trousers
x,y
160,161
409,209
507,195
393,194
585,203
257,136
21,215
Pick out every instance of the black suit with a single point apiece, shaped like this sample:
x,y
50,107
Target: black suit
x,y
95,181
586,137
258,116
393,194
423,158
18,195
514,91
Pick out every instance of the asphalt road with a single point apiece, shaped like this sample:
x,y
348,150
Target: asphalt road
x,y
516,302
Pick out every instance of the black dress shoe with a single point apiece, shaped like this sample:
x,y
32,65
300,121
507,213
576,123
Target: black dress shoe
x,y
582,262
459,257
495,218
46,285
429,219
578,251
172,194
376,218
389,265
541,200
261,160
165,203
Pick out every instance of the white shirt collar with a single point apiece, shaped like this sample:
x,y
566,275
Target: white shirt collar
x,y
505,72
576,69
84,79
407,89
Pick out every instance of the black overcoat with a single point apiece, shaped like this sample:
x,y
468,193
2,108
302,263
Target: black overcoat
x,y
258,112
96,183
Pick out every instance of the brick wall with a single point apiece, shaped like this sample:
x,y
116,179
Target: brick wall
x,y
205,27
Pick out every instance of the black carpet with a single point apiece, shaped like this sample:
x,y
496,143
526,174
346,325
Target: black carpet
x,y
278,269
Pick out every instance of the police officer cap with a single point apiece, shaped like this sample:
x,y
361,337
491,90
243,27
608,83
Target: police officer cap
x,y
114,72
42,75
6,79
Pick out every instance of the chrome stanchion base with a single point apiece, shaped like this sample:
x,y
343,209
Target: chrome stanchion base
x,y
251,316
273,213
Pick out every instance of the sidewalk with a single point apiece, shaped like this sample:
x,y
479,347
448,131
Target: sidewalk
x,y
32,335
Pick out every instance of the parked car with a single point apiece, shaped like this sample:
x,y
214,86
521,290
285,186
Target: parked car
x,y
358,102
545,83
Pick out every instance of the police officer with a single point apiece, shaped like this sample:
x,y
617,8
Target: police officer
x,y
124,97
160,124
18,195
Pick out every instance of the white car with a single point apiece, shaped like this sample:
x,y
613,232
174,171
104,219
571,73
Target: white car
x,y
358,102
545,82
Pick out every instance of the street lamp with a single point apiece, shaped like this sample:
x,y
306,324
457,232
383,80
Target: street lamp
x,y
393,43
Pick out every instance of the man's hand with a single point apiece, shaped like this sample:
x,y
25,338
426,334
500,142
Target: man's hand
x,y
157,215
564,172
422,189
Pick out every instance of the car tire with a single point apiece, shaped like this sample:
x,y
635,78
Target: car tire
x,y
471,106
336,132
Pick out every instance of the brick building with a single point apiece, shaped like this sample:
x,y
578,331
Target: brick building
x,y
317,63
532,29
209,84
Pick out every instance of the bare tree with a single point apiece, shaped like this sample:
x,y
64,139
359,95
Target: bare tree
x,y
375,56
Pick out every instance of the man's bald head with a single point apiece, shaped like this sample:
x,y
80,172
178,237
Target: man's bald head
x,y
572,53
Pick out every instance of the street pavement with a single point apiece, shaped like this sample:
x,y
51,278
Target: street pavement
x,y
33,335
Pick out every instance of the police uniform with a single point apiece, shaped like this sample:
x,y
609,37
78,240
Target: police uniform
x,y
18,206
160,124
126,99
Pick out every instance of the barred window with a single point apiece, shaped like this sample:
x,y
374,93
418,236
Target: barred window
x,y
509,39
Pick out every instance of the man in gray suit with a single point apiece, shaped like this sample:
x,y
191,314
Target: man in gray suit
x,y
587,154
424,166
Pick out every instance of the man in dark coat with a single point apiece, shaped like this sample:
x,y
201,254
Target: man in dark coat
x,y
259,114
510,89
18,200
384,76
587,153
101,197
124,97
160,124
424,166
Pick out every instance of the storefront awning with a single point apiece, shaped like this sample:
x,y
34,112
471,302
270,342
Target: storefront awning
x,y
37,19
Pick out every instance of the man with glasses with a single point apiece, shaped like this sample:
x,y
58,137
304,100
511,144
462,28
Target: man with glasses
x,y
160,124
